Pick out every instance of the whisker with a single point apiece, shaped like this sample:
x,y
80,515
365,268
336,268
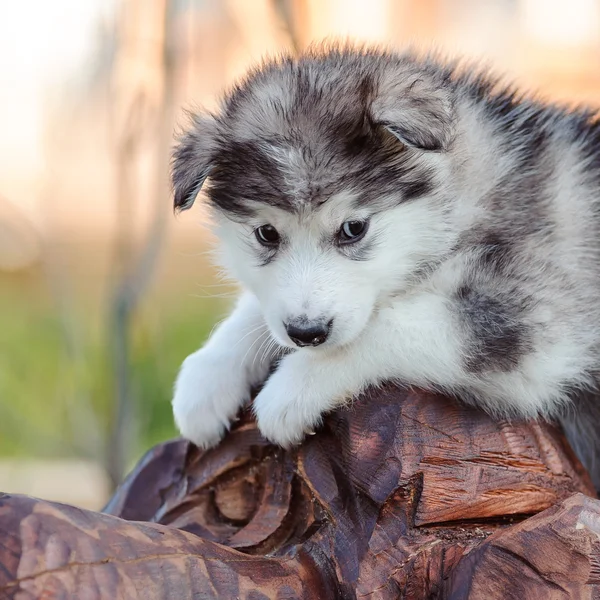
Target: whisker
x,y
267,351
194,254
205,296
266,332
213,285
264,345
254,330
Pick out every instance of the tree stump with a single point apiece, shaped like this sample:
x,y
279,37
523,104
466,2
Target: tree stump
x,y
403,495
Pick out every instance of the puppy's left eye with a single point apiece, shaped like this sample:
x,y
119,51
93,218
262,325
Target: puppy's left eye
x,y
352,231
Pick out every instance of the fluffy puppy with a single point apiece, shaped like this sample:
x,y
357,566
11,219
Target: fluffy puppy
x,y
392,217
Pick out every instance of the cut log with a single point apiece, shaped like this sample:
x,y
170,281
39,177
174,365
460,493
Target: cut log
x,y
403,495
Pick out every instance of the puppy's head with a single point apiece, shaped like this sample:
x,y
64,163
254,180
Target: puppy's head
x,y
324,174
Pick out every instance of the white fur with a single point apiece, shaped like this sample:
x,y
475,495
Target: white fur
x,y
308,280
216,380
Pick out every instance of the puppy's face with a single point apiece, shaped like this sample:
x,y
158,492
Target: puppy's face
x,y
324,179
320,272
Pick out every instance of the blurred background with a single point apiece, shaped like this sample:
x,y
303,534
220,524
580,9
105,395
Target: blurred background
x,y
103,291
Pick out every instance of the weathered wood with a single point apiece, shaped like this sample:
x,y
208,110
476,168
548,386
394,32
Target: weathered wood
x,y
404,495
553,555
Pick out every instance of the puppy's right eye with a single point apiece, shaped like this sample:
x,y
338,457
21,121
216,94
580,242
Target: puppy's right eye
x,y
267,235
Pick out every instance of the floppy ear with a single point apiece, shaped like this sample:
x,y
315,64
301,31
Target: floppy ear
x,y
415,108
192,158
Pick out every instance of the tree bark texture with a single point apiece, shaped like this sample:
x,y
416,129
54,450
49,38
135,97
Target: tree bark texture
x,y
403,495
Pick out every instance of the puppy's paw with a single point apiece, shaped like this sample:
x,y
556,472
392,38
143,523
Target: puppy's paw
x,y
208,393
287,408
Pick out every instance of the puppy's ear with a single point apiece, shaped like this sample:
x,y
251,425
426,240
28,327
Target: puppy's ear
x,y
415,108
192,159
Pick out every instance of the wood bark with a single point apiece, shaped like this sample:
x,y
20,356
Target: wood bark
x,y
403,495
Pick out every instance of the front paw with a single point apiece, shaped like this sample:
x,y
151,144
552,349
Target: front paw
x,y
287,408
208,394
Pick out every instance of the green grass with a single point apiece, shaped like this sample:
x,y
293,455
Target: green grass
x,y
45,389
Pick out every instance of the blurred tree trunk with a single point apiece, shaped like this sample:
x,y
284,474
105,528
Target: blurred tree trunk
x,y
142,120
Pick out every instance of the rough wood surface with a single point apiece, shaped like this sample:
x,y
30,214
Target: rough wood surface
x,y
405,495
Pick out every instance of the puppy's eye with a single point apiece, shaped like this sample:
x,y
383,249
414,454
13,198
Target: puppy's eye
x,y
352,231
267,235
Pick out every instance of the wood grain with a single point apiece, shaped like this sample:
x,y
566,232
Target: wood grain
x,y
403,495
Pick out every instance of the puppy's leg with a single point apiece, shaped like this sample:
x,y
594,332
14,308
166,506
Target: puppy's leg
x,y
215,381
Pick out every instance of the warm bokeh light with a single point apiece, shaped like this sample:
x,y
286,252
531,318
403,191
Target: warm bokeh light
x,y
48,52
559,23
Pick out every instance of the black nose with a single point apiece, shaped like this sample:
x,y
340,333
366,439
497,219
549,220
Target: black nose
x,y
305,333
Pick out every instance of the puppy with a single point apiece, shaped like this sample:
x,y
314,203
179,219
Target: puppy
x,y
395,217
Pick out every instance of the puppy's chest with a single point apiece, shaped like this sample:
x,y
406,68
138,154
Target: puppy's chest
x,y
423,337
